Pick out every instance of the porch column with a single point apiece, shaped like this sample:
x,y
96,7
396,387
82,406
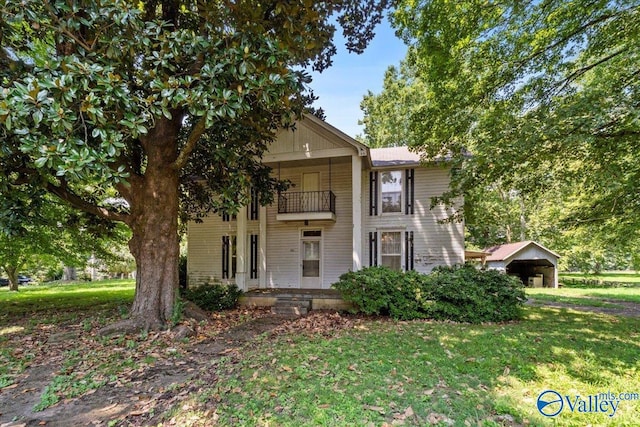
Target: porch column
x,y
555,275
356,210
262,242
241,249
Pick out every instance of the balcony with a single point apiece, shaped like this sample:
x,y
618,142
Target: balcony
x,y
307,205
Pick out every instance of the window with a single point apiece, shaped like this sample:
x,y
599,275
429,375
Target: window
x,y
391,249
226,217
391,191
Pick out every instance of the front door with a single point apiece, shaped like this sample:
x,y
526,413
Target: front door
x,y
310,188
311,259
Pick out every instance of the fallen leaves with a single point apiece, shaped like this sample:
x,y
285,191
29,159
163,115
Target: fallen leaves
x,y
378,409
434,418
318,323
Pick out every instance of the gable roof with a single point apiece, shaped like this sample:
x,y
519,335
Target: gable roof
x,y
394,156
321,125
503,252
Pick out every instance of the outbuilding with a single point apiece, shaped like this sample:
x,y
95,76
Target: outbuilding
x,y
534,264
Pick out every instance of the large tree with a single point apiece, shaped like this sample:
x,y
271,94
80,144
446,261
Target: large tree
x,y
544,94
493,213
36,229
149,101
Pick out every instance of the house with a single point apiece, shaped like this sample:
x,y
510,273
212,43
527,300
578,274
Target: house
x,y
349,207
534,264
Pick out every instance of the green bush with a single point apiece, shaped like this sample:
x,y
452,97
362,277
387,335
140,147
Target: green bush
x,y
461,294
380,290
465,294
214,297
368,289
411,296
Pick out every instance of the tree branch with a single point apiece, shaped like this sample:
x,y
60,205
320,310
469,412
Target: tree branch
x,y
64,193
571,35
577,73
190,145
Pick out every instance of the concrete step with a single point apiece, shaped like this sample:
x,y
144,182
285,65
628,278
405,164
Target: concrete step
x,y
291,306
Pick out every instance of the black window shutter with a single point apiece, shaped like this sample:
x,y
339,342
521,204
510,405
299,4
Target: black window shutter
x,y
253,263
254,206
233,254
408,200
225,257
373,248
373,193
408,250
225,217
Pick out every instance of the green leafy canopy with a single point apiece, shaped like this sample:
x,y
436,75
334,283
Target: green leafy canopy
x,y
543,93
86,81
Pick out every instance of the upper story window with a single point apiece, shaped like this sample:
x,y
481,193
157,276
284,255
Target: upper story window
x,y
391,191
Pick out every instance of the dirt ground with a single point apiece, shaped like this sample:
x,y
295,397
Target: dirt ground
x,y
149,391
153,389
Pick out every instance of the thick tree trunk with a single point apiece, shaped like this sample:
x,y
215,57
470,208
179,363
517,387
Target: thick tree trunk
x,y
154,224
12,273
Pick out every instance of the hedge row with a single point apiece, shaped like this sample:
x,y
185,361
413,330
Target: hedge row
x,y
460,294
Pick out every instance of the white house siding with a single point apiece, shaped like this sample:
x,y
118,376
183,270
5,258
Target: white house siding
x,y
434,243
283,238
309,149
204,248
305,138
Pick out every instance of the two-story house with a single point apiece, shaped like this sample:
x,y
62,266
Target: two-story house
x,y
349,207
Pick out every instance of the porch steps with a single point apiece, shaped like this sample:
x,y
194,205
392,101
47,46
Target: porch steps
x,y
291,306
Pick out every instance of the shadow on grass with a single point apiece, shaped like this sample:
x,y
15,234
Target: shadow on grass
x,y
469,374
51,300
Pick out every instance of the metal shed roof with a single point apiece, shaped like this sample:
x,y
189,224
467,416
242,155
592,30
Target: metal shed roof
x,y
508,250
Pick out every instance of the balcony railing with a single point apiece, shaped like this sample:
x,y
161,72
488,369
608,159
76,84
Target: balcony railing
x,y
307,202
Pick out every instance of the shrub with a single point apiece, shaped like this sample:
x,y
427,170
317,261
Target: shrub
x,y
411,296
380,290
465,294
214,297
461,294
368,289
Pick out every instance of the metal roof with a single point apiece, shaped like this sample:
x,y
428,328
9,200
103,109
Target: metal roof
x,y
503,252
393,156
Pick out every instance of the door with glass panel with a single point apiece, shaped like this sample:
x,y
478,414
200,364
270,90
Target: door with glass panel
x,y
311,259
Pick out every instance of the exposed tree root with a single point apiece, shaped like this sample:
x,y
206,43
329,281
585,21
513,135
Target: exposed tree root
x,y
192,311
140,324
131,326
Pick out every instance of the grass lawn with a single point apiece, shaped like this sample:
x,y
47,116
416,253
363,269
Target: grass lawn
x,y
616,276
421,373
377,372
582,296
80,296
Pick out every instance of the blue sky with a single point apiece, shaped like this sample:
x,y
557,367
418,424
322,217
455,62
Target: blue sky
x,y
342,86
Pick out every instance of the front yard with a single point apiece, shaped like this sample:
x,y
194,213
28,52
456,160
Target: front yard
x,y
325,369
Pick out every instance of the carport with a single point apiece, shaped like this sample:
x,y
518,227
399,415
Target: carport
x,y
532,263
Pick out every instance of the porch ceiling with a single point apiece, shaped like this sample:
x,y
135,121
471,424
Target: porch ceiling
x,y
310,162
